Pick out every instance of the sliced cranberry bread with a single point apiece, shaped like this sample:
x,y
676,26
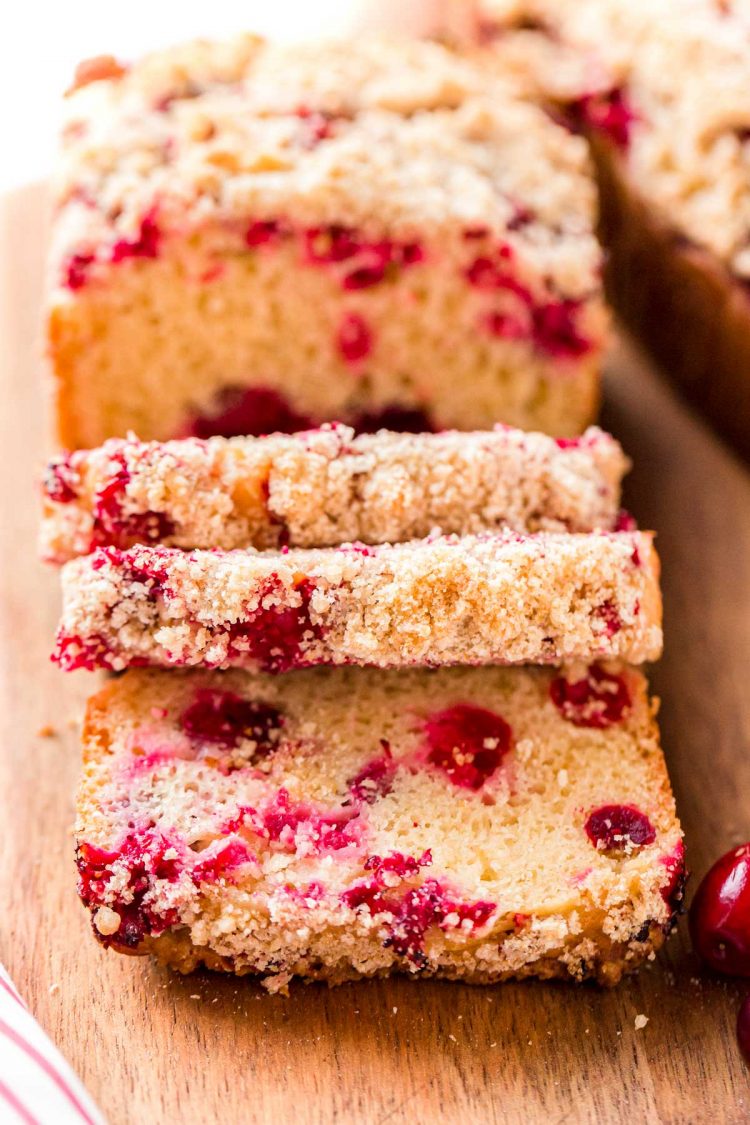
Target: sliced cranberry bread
x,y
468,823
673,162
504,598
326,487
253,238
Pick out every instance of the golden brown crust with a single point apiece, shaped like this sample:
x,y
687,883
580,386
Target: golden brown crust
x,y
678,299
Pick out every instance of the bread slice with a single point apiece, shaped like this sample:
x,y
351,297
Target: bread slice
x,y
502,598
251,238
326,487
476,824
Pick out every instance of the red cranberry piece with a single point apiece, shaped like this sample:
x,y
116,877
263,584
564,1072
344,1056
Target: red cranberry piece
x,y
625,522
400,419
365,277
142,857
219,866
375,779
506,327
261,233
610,616
283,818
599,701
674,891
618,827
720,914
610,113
274,635
556,332
113,527
145,245
468,743
77,270
354,340
743,1029
483,273
252,411
74,652
398,864
331,244
225,719
61,480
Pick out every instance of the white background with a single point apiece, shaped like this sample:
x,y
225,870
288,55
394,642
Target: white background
x,y
42,40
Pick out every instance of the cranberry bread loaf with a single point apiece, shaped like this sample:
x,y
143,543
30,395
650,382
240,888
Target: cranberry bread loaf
x,y
673,163
253,238
476,824
504,598
327,487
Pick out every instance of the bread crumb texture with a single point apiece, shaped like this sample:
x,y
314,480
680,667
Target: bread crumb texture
x,y
329,825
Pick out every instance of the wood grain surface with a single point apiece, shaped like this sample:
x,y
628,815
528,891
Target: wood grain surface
x,y
156,1048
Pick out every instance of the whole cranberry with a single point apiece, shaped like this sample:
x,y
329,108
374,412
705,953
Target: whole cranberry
x,y
720,914
743,1028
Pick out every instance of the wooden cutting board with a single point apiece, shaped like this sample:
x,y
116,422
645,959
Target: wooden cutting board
x,y
156,1048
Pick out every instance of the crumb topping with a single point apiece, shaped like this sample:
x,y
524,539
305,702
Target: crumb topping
x,y
327,487
503,598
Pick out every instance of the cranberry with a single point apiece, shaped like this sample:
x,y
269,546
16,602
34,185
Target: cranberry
x,y
608,112
142,858
365,276
145,566
468,743
397,864
673,892
401,419
625,522
609,614
218,866
743,1029
425,906
354,340
483,273
61,481
283,819
112,526
249,411
72,652
226,719
599,701
274,635
375,779
619,827
77,270
568,443
414,912
720,914
506,327
145,245
261,233
555,330
330,244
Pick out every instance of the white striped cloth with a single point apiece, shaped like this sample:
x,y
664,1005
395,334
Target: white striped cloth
x,y
37,1087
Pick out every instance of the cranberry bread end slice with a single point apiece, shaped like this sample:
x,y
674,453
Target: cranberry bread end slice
x,y
499,599
476,824
252,237
325,487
